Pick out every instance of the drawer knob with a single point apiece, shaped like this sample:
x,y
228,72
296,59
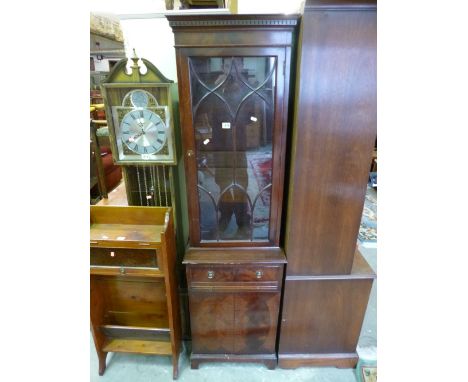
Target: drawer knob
x,y
122,270
211,274
112,254
258,274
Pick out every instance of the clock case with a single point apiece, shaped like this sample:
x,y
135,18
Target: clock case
x,y
118,85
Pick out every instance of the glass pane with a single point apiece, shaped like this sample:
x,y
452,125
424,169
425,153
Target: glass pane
x,y
233,117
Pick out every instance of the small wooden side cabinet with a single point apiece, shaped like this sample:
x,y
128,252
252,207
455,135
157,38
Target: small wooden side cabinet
x,y
234,304
134,302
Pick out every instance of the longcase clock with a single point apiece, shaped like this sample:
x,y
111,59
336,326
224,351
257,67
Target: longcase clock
x,y
141,129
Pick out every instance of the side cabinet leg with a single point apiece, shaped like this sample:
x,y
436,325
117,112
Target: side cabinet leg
x,y
102,362
175,367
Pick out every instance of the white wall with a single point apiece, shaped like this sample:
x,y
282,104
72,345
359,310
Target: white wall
x,y
152,39
269,6
102,65
126,6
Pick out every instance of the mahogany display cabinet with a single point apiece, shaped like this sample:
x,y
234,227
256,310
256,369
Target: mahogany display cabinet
x,y
327,282
234,92
134,301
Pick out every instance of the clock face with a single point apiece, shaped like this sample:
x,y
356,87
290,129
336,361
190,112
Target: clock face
x,y
140,128
143,131
139,98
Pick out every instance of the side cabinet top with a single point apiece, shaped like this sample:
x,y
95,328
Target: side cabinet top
x,y
233,30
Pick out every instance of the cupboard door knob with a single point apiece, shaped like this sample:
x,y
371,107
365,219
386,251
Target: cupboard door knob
x,y
211,274
258,274
190,153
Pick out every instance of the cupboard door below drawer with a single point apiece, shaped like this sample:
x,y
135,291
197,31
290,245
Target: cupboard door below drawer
x,y
212,322
256,320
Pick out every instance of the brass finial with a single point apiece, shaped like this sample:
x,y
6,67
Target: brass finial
x,y
135,67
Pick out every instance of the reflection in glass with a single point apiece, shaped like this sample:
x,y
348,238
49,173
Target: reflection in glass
x,y
233,115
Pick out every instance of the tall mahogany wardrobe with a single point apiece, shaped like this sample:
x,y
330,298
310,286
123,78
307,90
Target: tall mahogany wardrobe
x,y
328,282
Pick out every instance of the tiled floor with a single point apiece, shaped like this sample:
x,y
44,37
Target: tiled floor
x,y
139,368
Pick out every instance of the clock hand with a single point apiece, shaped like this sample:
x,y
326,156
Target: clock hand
x,y
131,139
149,126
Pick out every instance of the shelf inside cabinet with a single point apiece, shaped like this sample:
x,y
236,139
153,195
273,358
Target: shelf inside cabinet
x,y
137,320
136,333
121,345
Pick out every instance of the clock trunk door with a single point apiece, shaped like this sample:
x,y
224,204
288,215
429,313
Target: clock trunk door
x,y
234,147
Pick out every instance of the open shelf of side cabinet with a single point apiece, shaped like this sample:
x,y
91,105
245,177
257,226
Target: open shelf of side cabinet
x,y
133,339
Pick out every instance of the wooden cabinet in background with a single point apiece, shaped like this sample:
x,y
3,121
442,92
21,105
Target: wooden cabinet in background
x,y
134,300
234,79
334,131
322,317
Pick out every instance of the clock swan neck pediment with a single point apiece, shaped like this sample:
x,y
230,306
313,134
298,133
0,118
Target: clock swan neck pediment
x,y
119,74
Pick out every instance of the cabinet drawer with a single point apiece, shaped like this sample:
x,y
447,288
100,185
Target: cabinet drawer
x,y
211,274
260,273
124,257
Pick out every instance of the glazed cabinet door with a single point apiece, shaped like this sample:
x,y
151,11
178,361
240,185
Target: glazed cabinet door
x,y
234,135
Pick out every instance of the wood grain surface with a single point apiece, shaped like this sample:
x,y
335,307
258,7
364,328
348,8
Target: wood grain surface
x,y
334,133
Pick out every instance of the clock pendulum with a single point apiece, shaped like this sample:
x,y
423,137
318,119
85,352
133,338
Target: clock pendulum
x,y
139,184
153,194
146,187
165,185
159,185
